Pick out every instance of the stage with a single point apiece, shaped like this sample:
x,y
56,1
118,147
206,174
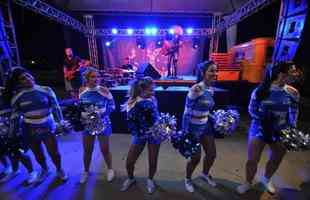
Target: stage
x,y
171,96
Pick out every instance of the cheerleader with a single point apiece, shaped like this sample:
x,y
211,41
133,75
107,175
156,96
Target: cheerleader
x,y
92,94
39,110
199,103
11,146
273,106
142,114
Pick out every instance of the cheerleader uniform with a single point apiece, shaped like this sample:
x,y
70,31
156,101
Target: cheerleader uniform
x,y
103,99
199,103
39,109
274,113
141,116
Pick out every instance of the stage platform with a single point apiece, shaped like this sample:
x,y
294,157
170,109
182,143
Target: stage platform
x,y
185,81
171,98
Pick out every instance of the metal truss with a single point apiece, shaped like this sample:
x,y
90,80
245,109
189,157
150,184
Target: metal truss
x,y
92,43
160,32
249,8
52,13
215,36
8,36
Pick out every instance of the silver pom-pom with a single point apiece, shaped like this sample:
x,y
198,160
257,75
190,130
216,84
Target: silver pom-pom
x,y
225,122
164,128
294,140
92,120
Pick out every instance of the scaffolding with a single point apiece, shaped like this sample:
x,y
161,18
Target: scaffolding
x,y
92,42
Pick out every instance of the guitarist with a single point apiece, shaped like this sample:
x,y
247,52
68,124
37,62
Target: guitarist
x,y
72,74
172,51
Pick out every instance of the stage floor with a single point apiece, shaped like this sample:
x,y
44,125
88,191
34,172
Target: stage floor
x,y
292,179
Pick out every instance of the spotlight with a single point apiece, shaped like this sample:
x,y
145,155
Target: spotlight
x,y
114,31
171,30
189,31
129,31
148,31
196,42
108,43
140,43
159,43
154,31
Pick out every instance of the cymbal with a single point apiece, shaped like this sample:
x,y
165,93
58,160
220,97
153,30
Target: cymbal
x,y
128,71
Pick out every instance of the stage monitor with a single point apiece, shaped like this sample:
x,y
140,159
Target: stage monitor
x,y
146,69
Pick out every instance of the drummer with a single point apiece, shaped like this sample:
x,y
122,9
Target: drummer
x,y
127,65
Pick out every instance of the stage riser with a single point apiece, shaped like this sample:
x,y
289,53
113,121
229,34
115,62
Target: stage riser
x,y
173,101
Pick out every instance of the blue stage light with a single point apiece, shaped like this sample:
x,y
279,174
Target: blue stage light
x,y
108,43
196,42
171,30
189,31
148,31
114,31
154,31
129,31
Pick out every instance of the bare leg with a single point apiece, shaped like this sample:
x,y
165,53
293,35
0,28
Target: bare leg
x,y
275,158
88,147
105,150
209,147
153,159
255,149
53,151
134,152
192,164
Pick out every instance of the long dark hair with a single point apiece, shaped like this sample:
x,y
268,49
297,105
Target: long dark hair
x,y
271,74
12,83
202,68
137,88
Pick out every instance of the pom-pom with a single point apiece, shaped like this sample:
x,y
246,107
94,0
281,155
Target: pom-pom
x,y
186,143
294,140
164,128
91,118
225,122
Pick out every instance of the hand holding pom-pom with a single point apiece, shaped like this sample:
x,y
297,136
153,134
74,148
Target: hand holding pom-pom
x,y
91,118
164,128
294,140
225,122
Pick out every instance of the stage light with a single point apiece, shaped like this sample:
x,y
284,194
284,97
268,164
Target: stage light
x,y
189,31
108,43
171,30
154,31
129,31
148,31
159,43
114,31
33,62
140,41
196,42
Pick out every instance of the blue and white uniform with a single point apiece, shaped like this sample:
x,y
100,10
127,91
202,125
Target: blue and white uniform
x,y
276,112
199,103
101,97
141,116
39,109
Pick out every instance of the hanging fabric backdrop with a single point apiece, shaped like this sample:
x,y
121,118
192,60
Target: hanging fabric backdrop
x,y
123,47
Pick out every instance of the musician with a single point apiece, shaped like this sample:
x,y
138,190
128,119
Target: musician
x,y
127,65
72,74
171,49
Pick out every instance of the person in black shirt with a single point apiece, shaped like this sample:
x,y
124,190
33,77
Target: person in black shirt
x,y
127,64
72,74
